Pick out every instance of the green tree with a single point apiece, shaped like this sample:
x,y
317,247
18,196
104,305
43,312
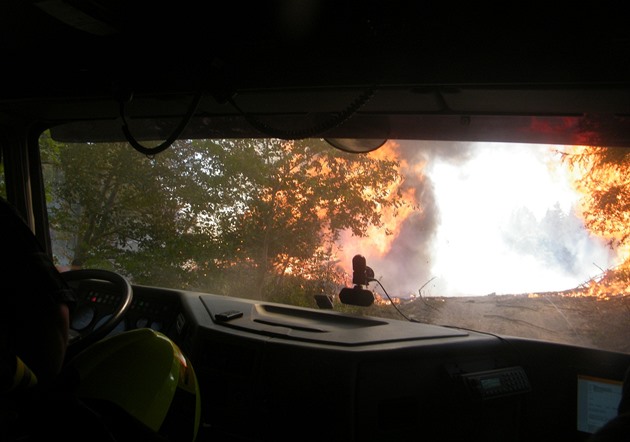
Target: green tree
x,y
115,208
254,218
296,198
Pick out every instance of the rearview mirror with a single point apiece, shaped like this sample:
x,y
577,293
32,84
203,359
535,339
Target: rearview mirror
x,y
356,145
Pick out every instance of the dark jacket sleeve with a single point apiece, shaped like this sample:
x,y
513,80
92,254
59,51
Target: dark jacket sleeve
x,y
24,266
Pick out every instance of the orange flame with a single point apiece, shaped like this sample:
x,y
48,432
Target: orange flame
x,y
590,178
379,239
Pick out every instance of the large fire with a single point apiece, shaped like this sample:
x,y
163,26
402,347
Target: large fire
x,y
594,174
378,240
589,177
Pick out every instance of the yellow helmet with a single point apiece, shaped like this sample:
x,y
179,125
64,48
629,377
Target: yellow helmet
x,y
144,373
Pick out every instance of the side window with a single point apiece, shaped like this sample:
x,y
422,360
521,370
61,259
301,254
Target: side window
x,y
50,154
3,186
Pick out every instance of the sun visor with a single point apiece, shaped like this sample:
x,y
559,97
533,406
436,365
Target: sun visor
x,y
562,130
237,126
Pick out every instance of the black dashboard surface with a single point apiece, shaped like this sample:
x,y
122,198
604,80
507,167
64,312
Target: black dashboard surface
x,y
263,360
324,327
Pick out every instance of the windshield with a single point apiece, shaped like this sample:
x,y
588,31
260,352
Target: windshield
x,y
520,240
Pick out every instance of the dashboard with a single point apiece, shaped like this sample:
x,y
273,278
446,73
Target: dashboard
x,y
97,301
359,378
265,369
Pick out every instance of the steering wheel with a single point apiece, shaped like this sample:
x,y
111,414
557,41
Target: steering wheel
x,y
81,339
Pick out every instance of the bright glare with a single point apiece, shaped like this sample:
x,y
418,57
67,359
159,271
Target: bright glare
x,y
482,206
496,218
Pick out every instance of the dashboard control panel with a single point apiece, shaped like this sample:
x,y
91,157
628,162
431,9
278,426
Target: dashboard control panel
x,y
497,383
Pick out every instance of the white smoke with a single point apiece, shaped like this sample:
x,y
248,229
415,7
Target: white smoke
x,y
497,218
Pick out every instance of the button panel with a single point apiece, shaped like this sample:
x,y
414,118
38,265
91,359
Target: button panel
x,y
497,383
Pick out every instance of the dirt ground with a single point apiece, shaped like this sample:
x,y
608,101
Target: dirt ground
x,y
585,321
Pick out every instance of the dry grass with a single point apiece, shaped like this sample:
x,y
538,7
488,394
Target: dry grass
x,y
585,321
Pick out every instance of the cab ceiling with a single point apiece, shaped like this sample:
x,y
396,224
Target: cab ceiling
x,y
301,62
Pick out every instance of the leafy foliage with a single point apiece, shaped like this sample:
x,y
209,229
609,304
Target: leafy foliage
x,y
254,218
605,186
